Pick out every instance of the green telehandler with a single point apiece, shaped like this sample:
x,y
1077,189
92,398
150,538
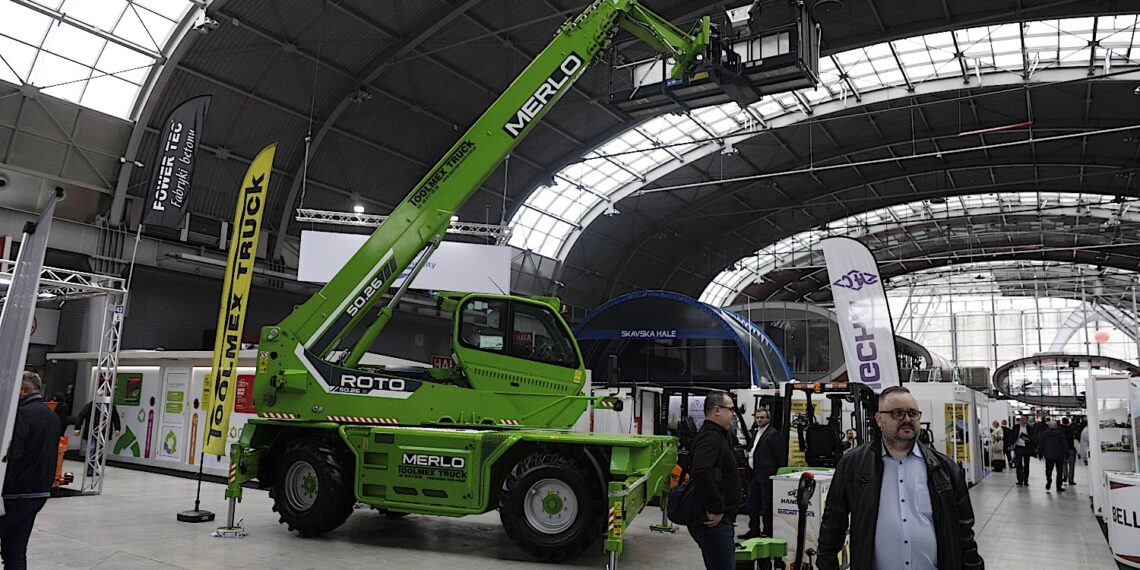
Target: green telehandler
x,y
492,432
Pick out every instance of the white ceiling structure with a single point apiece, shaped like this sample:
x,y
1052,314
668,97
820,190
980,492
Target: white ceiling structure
x,y
553,215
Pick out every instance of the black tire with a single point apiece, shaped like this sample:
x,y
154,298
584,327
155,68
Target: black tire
x,y
312,487
542,531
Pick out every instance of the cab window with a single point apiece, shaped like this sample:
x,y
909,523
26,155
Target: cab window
x,y
537,335
483,325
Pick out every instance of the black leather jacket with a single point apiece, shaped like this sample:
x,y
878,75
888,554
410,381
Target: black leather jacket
x,y
34,450
714,470
855,492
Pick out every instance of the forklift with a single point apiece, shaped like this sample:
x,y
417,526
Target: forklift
x,y
822,442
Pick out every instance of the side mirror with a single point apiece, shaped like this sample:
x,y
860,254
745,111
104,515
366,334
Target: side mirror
x,y
612,370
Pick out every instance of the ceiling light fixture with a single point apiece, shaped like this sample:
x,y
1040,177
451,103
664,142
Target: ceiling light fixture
x,y
358,209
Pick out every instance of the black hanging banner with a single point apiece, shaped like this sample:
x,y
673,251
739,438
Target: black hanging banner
x,y
169,188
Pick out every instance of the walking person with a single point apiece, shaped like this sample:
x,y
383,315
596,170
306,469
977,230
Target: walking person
x,y
1039,428
922,521
1070,450
84,421
766,457
1053,448
713,468
1023,449
31,459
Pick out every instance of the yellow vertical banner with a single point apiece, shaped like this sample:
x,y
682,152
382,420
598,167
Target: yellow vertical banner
x,y
957,431
235,299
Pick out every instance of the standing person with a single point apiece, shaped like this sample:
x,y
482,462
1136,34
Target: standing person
x,y
1070,450
1084,442
849,442
31,459
713,465
997,447
1053,448
766,458
1023,449
1007,441
922,522
1038,429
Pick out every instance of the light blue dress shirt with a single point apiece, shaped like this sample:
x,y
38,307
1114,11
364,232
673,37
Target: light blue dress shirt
x,y
904,532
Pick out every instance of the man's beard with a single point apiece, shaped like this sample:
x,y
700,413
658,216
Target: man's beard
x,y
901,438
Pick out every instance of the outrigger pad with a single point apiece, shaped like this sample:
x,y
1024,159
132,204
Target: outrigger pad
x,y
761,549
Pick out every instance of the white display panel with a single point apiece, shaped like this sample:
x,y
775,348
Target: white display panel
x,y
455,266
171,445
136,396
1110,440
216,464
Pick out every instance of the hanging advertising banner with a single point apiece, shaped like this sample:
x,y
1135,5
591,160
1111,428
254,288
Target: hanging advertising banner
x,y
235,296
169,188
864,318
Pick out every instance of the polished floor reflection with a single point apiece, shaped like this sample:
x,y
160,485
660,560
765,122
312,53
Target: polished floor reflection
x,y
132,525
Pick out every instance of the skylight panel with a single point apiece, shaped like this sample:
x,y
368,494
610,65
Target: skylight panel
x,y
109,94
165,8
767,107
543,198
544,224
74,44
23,24
606,185
144,28
17,62
125,64
59,77
102,14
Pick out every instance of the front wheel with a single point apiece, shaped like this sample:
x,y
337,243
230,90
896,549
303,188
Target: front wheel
x,y
547,507
312,491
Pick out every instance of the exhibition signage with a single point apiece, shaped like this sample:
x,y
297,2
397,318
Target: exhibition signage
x,y
958,431
1123,518
168,191
455,266
861,308
235,297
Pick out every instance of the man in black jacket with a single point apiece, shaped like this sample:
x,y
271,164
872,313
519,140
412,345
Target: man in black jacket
x,y
1024,446
1070,431
1053,448
1007,440
713,470
31,462
908,504
767,456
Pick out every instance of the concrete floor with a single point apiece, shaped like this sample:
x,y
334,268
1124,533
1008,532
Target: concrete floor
x,y
132,525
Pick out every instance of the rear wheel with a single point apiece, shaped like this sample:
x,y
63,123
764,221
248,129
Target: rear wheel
x,y
548,507
312,491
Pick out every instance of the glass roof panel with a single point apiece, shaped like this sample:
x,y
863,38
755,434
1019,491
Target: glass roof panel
x,y
73,60
993,49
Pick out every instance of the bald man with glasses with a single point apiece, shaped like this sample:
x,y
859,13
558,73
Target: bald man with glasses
x,y
906,504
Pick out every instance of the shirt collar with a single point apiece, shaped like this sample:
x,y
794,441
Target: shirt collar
x,y
31,397
915,451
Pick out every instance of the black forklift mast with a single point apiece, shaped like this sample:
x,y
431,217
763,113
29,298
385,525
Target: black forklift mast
x,y
821,442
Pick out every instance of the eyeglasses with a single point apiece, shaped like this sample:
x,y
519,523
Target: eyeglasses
x,y
729,408
900,413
